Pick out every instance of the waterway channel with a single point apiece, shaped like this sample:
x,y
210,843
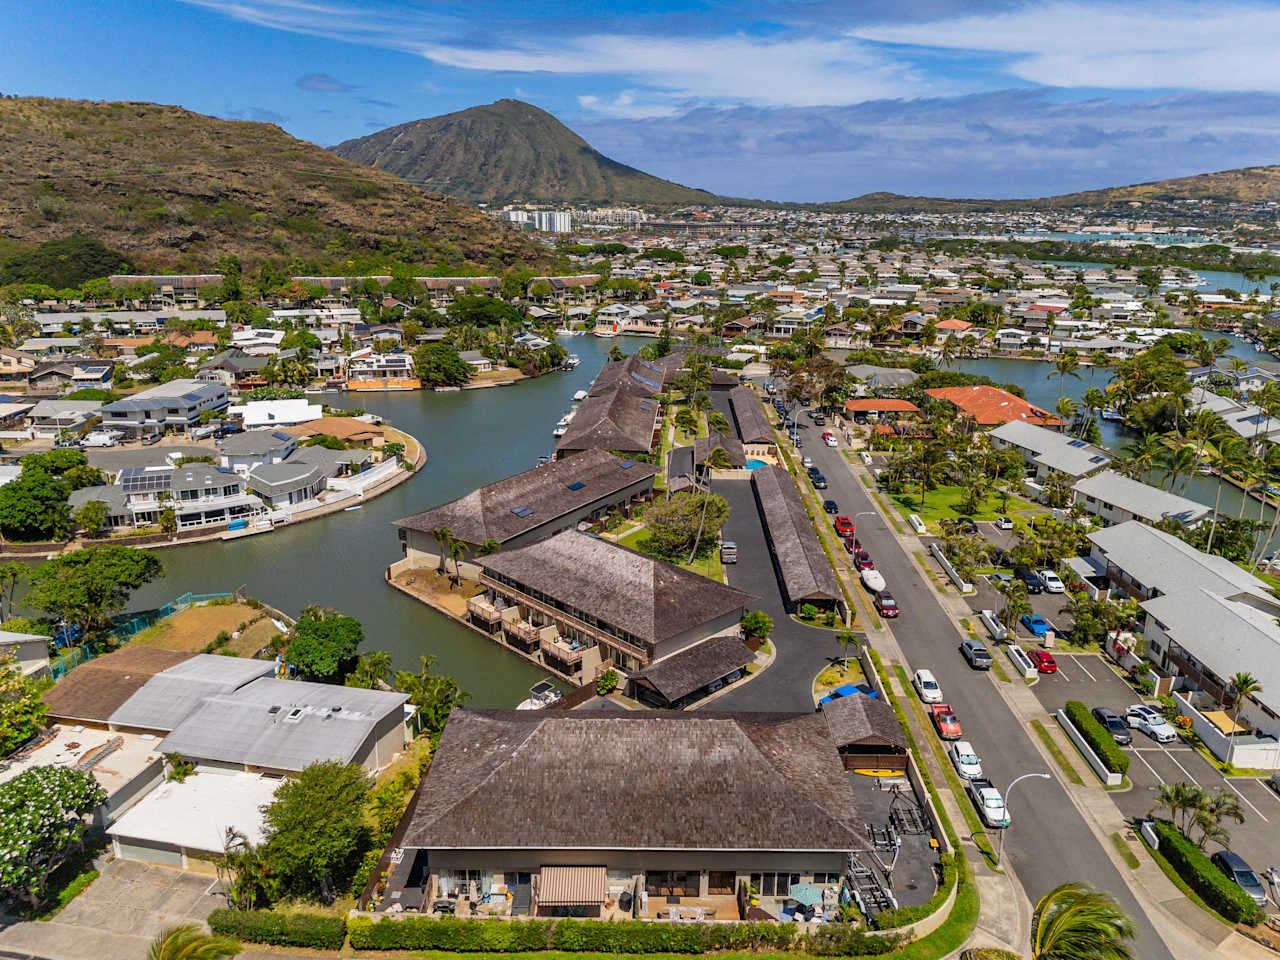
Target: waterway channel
x,y
472,437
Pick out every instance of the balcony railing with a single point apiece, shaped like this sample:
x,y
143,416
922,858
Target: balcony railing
x,y
561,649
483,609
523,630
554,613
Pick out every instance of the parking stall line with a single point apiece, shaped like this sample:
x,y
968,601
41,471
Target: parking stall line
x,y
1246,800
1076,661
1185,771
1138,753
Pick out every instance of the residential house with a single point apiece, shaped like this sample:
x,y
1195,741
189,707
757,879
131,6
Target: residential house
x,y
356,431
1114,498
241,452
273,414
528,506
619,414
863,409
16,367
49,418
476,360
288,483
176,405
234,367
715,803
28,651
881,378
199,494
578,604
683,679
1049,451
992,406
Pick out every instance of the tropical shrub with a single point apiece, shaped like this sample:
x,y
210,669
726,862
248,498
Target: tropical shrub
x,y
280,929
1103,744
1199,873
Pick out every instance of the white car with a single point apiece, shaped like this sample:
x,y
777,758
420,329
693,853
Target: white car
x,y
1149,721
1052,582
927,686
965,760
100,438
831,442
807,462
1004,523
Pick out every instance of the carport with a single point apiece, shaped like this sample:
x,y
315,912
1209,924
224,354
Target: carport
x,y
866,733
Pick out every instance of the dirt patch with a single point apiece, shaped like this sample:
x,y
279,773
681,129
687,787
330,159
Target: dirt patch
x,y
195,628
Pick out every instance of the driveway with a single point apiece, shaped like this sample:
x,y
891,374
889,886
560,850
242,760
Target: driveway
x,y
112,459
117,915
1059,847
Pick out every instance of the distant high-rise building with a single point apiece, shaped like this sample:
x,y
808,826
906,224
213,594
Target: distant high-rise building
x,y
552,221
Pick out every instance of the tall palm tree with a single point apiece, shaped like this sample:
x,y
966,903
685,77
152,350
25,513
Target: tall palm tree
x,y
1181,800
1177,461
1065,366
1140,455
1077,922
444,537
1242,685
1226,457
187,942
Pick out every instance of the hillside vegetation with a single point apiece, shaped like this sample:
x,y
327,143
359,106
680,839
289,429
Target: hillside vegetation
x,y
510,151
172,188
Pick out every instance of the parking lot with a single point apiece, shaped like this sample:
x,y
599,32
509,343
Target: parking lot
x,y
1090,679
1048,605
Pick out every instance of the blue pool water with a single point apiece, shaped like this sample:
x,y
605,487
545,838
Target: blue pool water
x,y
755,464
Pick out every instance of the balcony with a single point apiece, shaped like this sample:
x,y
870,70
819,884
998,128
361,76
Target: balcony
x,y
523,630
482,609
584,628
557,647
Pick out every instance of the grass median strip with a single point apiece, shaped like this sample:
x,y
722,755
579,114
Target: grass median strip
x,y
927,570
1126,854
1055,751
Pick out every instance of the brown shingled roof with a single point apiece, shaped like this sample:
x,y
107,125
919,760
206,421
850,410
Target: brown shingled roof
x,y
643,596
753,425
635,780
682,673
620,417
93,691
487,512
858,719
806,572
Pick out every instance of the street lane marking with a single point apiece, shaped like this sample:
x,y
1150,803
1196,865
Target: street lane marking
x,y
1246,800
1076,661
1137,753
1268,791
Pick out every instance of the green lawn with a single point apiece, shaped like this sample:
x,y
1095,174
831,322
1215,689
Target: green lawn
x,y
943,503
708,566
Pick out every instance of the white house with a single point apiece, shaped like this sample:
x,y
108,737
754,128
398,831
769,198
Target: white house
x,y
1115,498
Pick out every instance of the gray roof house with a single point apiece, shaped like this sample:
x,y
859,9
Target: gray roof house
x,y
1115,498
749,417
286,725
166,699
671,804
48,418
242,452
286,483
1048,451
176,404
881,377
798,558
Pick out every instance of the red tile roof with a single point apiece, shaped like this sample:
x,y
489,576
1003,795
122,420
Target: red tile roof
x,y
991,406
880,405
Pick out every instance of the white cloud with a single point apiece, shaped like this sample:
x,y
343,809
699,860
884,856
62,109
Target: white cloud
x,y
1114,45
625,106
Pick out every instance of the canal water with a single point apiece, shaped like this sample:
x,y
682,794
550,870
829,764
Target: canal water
x,y
472,437
1214,280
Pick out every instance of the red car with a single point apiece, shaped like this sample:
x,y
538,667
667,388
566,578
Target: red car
x,y
886,606
1044,661
862,560
844,526
945,719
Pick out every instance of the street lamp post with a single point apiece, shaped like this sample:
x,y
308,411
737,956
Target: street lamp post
x,y
1008,791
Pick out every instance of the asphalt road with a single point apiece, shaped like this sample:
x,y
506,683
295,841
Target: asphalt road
x,y
1049,842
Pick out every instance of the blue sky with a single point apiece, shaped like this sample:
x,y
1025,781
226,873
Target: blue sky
x,y
783,99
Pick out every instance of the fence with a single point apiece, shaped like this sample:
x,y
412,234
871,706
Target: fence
x,y
124,627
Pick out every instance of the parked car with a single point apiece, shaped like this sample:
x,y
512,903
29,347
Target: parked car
x,y
811,469
1036,624
830,506
967,525
151,439
966,762
819,482
830,441
1052,582
807,461
1029,579
926,686
885,605
945,721
990,804
1241,874
979,656
843,525
1043,660
728,552
1004,523
999,578
1114,726
1151,722
862,561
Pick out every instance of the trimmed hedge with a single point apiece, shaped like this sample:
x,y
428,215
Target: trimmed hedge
x,y
447,933
280,929
1210,883
1103,744
579,936
838,940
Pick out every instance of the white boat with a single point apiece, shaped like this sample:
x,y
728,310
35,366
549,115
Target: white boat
x,y
572,360
873,580
541,695
580,396
1111,413
356,507
559,431
606,330
567,418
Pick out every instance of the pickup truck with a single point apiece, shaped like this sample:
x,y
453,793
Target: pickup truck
x,y
990,804
944,718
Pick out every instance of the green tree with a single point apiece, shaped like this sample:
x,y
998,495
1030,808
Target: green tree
x,y
685,523
323,644
42,820
91,518
1241,687
34,507
22,711
372,670
439,365
87,587
847,639
1076,922
433,694
83,476
168,521
189,942
315,831
756,623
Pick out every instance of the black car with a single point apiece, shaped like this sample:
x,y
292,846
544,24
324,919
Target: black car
x,y
813,472
1114,726
1029,579
830,506
819,482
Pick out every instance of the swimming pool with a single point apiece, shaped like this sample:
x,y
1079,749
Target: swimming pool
x,y
755,464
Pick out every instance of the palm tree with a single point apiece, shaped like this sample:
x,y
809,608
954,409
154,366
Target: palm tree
x,y
1181,800
489,546
187,942
1077,922
1065,366
1177,461
1066,411
948,350
444,537
457,550
1140,455
1230,451
371,670
1242,686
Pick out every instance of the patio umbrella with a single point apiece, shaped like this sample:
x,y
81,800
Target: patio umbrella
x,y
806,894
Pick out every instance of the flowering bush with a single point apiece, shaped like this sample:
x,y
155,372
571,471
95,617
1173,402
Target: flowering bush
x,y
42,822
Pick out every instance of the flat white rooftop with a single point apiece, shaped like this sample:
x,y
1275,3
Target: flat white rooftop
x,y
114,759
196,813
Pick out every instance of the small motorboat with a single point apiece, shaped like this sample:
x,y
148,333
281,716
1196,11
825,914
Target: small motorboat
x,y
541,695
873,580
572,360
580,396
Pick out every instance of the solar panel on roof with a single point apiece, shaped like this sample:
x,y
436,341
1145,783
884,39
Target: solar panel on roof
x,y
576,485
1098,459
628,464
1076,443
522,512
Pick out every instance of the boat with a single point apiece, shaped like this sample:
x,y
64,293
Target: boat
x,y
580,395
541,695
606,330
567,418
1111,413
572,360
559,431
356,507
544,460
873,580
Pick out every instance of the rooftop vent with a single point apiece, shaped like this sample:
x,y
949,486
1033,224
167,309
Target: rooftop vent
x,y
522,512
273,709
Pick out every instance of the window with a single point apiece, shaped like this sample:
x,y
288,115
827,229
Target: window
x,y
774,884
826,878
